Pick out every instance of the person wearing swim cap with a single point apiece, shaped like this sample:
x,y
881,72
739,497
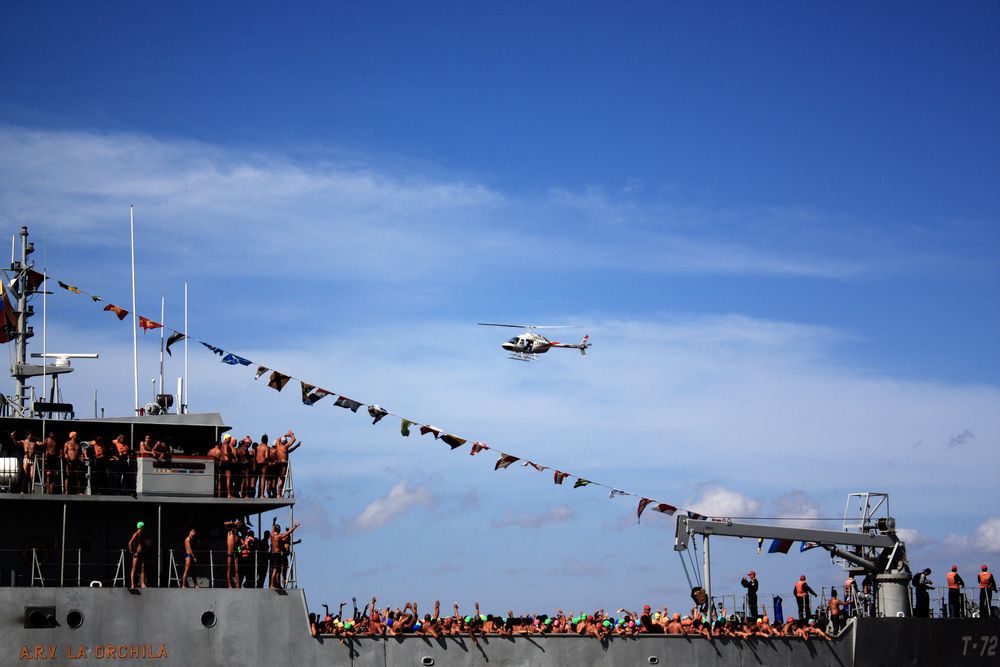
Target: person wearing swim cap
x,y
136,548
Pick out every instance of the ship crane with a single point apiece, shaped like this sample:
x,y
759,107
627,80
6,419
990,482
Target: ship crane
x,y
875,549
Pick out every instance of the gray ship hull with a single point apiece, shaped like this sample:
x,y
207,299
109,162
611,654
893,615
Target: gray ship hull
x,y
254,627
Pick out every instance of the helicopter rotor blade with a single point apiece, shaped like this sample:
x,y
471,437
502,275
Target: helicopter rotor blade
x,y
532,326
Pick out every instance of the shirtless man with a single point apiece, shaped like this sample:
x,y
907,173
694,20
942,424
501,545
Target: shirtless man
x,y
136,548
146,445
99,461
75,482
123,453
160,450
28,465
245,458
282,448
53,463
279,557
227,459
674,627
189,558
233,538
261,455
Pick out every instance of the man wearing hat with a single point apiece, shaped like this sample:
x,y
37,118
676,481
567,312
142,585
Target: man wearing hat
x,y
135,547
750,583
955,585
987,586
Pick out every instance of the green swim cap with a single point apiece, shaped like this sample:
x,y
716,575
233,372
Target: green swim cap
x,y
468,619
139,525
482,617
606,623
548,621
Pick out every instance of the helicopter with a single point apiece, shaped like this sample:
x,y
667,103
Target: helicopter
x,y
526,346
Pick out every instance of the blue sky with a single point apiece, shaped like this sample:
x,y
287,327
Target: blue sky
x,y
778,223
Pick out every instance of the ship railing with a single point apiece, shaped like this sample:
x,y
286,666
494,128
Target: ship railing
x,y
54,476
968,603
41,569
45,567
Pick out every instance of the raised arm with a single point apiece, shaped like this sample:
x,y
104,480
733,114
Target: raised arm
x,y
288,533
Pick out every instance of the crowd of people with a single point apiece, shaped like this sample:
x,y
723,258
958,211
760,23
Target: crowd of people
x,y
702,619
243,469
249,469
600,625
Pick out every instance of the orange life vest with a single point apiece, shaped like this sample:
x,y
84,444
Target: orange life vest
x,y
984,579
800,589
951,580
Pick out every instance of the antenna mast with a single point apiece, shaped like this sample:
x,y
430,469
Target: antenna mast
x,y
135,326
23,332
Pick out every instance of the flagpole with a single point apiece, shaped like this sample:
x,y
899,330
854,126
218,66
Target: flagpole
x,y
184,399
135,326
163,329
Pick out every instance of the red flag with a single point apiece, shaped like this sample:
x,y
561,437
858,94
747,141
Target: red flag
x,y
642,505
536,466
9,324
117,310
478,447
665,508
35,279
424,430
146,324
560,476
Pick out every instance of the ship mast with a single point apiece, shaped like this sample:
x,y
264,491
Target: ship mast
x,y
19,286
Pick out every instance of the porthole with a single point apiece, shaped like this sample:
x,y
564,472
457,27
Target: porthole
x,y
208,619
74,618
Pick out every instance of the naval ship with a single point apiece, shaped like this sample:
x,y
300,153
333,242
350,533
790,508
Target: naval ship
x,y
67,597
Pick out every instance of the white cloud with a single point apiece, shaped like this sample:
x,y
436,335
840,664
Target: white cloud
x,y
914,539
716,500
798,505
371,219
987,535
400,500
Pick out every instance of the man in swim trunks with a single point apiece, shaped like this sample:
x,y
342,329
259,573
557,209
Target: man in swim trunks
x,y
137,548
233,538
282,448
279,556
75,482
189,558
262,456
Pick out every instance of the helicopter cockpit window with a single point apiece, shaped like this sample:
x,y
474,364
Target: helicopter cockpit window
x,y
513,340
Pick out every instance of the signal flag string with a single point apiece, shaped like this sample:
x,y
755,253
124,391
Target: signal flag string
x,y
311,394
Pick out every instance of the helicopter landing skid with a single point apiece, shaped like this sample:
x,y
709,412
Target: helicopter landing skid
x,y
522,356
